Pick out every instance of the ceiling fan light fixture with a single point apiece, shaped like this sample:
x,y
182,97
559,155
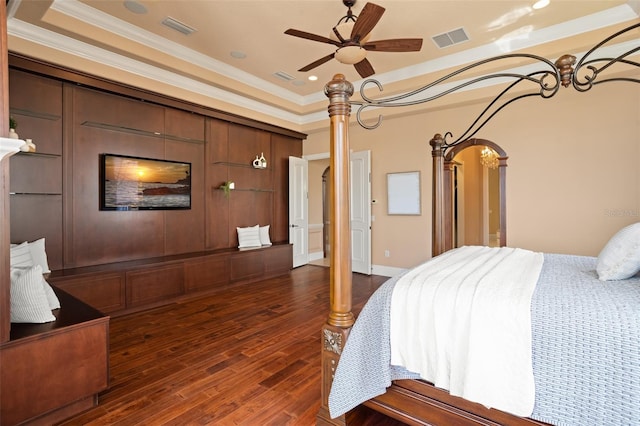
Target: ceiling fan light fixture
x,y
350,54
350,38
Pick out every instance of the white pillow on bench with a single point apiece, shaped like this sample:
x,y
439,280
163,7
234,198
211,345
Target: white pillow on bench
x,y
264,236
249,236
29,301
29,254
20,256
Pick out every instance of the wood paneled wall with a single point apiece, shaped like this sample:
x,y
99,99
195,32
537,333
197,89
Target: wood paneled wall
x,y
57,189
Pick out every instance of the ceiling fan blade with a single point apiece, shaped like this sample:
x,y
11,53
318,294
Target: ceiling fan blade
x,y
394,45
309,36
364,68
368,18
317,63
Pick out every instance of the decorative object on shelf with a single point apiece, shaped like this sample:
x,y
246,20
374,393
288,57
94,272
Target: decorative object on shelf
x,y
260,162
489,158
227,187
13,125
31,147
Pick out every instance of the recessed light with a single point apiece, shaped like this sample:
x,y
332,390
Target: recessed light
x,y
541,3
135,7
238,55
313,77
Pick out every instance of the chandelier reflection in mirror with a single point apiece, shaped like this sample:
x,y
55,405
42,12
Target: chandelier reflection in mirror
x,y
489,158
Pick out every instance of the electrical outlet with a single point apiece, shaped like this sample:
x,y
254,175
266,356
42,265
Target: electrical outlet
x,y
387,253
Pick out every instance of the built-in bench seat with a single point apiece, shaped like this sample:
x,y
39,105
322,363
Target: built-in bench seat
x,y
54,370
124,287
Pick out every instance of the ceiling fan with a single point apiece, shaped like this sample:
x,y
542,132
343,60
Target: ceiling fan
x,y
351,37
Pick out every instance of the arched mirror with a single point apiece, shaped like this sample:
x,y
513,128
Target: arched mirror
x,y
475,175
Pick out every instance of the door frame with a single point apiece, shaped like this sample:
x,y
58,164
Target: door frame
x,y
327,155
299,210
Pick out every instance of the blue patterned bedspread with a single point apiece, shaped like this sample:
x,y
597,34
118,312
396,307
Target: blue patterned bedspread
x,y
586,348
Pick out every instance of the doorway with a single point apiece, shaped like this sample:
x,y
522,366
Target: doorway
x,y
326,223
360,210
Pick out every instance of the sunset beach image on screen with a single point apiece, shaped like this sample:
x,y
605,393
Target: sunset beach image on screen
x,y
136,183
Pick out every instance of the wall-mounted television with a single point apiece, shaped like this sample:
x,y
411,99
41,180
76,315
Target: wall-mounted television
x,y
135,183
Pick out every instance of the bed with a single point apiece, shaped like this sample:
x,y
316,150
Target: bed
x,y
362,371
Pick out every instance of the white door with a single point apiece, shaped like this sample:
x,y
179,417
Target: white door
x,y
299,210
361,212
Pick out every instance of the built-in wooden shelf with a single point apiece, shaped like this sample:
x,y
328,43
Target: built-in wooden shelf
x,y
35,114
139,132
247,166
37,154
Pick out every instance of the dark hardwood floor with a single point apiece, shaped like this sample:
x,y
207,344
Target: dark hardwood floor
x,y
249,355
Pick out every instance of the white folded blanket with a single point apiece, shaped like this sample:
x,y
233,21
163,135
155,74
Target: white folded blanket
x,y
462,321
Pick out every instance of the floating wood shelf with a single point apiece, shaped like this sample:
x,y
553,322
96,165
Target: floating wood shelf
x,y
139,132
248,166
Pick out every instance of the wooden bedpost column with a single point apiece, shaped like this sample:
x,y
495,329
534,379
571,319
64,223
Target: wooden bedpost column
x,y
437,211
5,324
339,90
336,330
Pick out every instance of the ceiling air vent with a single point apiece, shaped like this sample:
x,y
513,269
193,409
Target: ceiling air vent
x,y
450,38
284,76
174,24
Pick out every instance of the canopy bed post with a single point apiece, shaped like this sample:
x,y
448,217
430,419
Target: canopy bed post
x,y
338,325
437,210
5,325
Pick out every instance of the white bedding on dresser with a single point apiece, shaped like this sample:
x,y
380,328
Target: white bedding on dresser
x,y
449,325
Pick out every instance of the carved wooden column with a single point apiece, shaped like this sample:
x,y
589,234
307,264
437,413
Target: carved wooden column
x,y
5,324
437,212
336,330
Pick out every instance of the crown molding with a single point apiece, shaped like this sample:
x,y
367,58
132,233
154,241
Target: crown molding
x,y
99,19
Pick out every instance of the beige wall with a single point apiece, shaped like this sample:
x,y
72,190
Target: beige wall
x,y
573,177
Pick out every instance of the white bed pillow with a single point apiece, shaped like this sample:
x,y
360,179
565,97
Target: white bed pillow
x,y
52,298
620,257
20,256
39,255
249,236
264,236
29,302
